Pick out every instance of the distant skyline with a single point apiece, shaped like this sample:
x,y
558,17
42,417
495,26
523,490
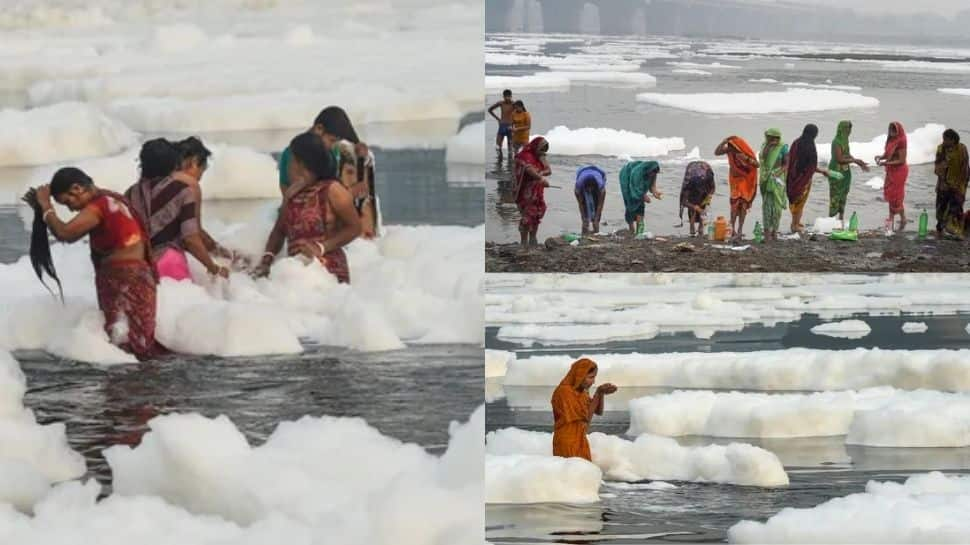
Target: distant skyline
x,y
945,8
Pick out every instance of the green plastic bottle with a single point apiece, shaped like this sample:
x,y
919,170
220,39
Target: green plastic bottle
x,y
570,237
641,227
923,221
759,234
854,223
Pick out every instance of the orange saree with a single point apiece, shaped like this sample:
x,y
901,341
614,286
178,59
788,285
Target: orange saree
x,y
570,409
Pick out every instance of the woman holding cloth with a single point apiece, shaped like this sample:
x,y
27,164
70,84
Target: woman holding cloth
x,y
743,178
841,161
774,169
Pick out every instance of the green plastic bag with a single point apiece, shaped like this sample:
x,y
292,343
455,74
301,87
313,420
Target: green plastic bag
x,y
851,236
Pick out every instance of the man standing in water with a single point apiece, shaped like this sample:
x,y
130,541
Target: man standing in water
x,y
504,123
573,409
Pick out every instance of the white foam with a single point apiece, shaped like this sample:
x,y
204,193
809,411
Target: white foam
x,y
926,66
467,146
541,82
496,362
580,334
846,329
540,479
655,458
700,65
59,132
965,92
624,79
692,71
822,86
413,285
763,80
927,508
880,416
915,327
921,146
790,101
826,225
877,182
790,369
609,142
188,468
32,456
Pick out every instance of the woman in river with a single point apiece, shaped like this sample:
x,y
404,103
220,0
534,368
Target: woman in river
x,y
358,188
124,275
696,194
894,159
774,169
802,165
637,178
953,172
573,409
590,192
531,169
742,177
841,160
318,217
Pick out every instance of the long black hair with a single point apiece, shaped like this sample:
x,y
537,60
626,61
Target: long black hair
x,y
336,122
309,150
158,158
40,245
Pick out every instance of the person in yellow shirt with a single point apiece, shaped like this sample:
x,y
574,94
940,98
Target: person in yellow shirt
x,y
521,124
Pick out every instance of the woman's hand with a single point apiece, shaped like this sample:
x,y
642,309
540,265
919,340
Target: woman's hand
x,y
544,182
606,389
862,164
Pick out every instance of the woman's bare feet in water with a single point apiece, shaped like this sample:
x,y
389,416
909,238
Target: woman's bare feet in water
x,y
902,224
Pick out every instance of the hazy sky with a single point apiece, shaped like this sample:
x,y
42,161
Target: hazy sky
x,y
942,7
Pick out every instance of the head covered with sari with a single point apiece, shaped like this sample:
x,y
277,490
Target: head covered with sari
x,y
842,135
896,141
530,194
571,411
802,165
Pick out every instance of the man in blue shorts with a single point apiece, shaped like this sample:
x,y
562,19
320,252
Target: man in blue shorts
x,y
504,122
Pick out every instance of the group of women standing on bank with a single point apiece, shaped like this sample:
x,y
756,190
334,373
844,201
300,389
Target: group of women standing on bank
x,y
783,173
328,200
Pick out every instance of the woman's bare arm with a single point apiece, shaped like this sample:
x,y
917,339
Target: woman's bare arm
x,y
342,205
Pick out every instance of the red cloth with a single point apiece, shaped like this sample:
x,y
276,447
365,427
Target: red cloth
x,y
894,189
530,197
119,228
801,167
126,296
305,219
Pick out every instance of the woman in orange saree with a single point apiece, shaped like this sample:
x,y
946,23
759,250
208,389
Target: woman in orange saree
x,y
573,408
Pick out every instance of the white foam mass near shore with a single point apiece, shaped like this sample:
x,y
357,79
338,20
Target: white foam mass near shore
x,y
926,508
609,143
195,479
951,91
650,457
524,478
845,329
59,132
921,146
32,456
496,362
230,65
880,417
466,147
413,285
790,101
789,369
542,82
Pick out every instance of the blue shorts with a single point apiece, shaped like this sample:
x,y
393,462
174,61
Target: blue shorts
x,y
505,129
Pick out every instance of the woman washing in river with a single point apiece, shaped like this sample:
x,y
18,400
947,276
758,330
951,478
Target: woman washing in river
x,y
590,191
573,409
696,194
894,159
841,160
531,169
318,217
637,178
774,169
124,274
802,165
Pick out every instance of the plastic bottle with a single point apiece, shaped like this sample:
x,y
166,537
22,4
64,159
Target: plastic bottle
x,y
720,228
710,231
640,227
759,234
570,237
854,223
923,224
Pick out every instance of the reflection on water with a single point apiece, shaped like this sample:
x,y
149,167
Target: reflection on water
x,y
820,468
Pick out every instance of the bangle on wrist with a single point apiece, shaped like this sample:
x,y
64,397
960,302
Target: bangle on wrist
x,y
48,212
323,248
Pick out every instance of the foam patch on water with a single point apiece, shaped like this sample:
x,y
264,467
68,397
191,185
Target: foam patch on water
x,y
700,65
609,142
790,369
654,458
576,334
915,327
305,483
877,182
496,362
846,329
59,132
921,146
466,147
882,417
790,101
692,71
32,456
414,285
540,479
542,82
821,86
964,92
624,79
926,508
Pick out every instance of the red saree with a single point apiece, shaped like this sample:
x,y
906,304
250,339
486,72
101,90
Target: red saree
x,y
530,197
305,219
894,190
